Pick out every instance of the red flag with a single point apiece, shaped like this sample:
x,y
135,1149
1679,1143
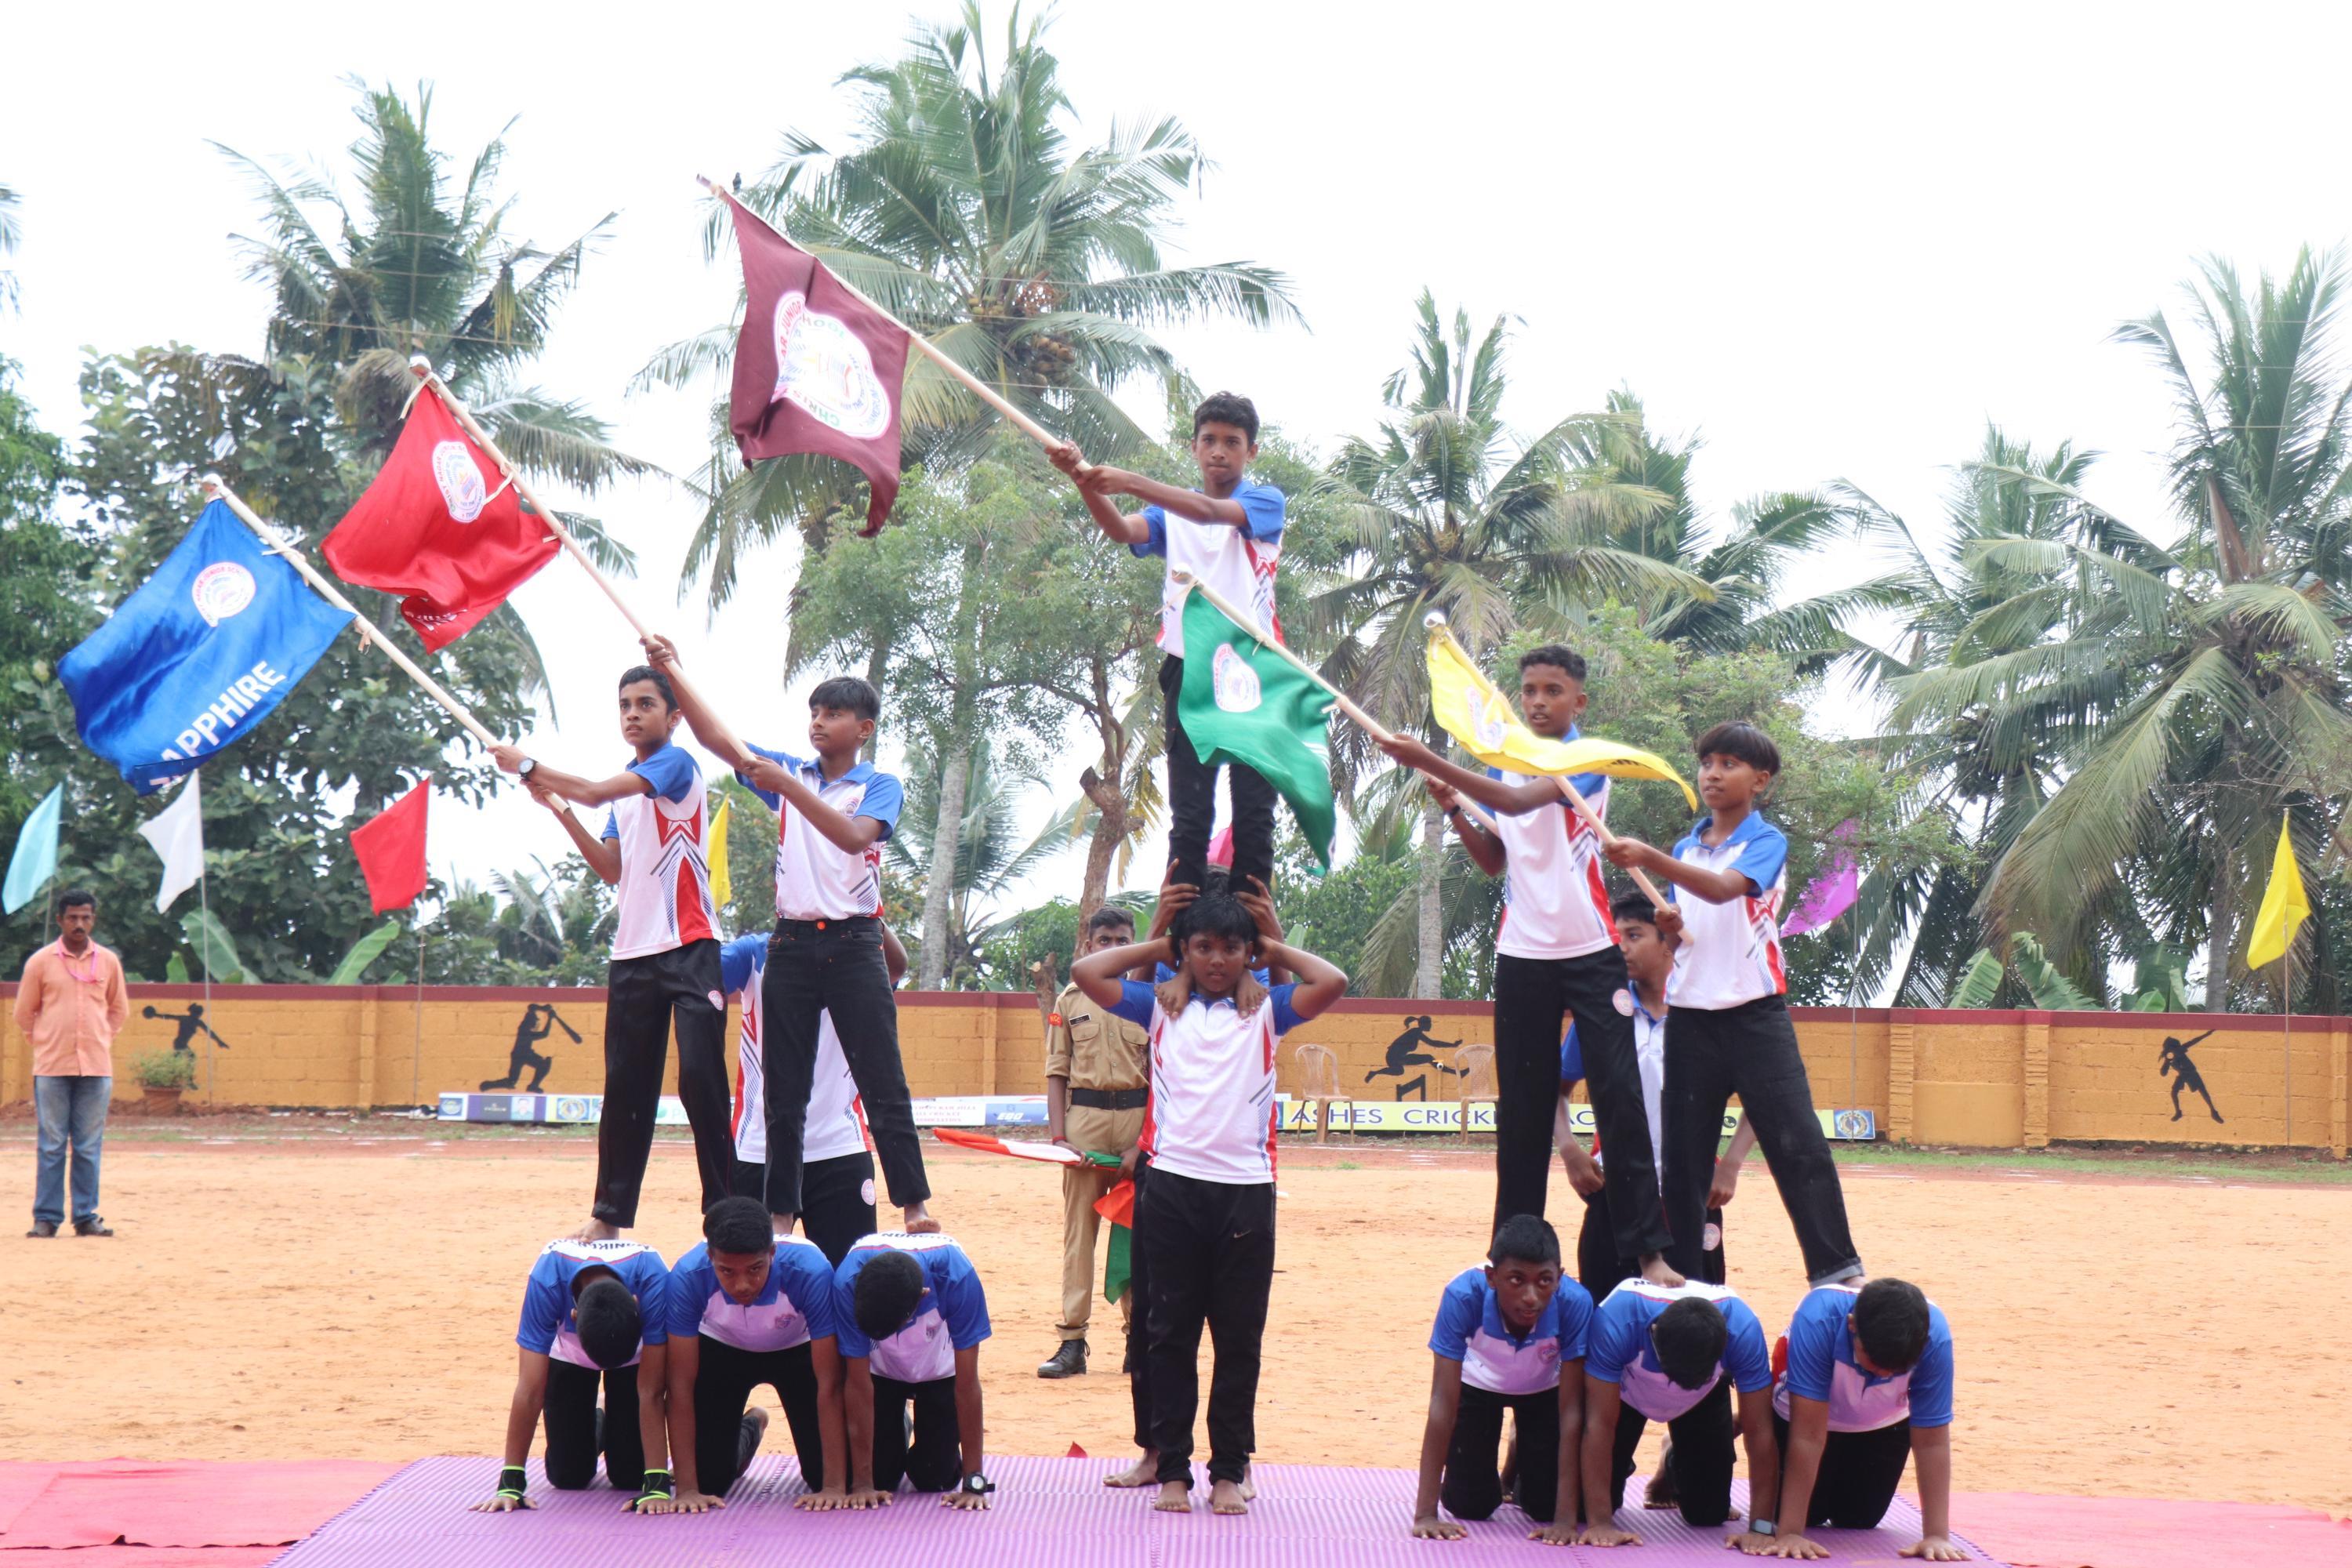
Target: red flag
x,y
442,525
391,849
817,369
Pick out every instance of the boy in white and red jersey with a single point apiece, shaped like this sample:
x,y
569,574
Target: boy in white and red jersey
x,y
664,947
836,1152
1204,1215
1226,534
1728,1011
1556,956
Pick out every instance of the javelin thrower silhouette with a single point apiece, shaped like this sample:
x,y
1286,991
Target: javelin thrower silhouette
x,y
2172,1058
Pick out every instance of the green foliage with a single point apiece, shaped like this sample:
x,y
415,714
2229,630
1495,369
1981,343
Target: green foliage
x,y
215,950
364,952
1989,981
750,859
166,1069
1004,952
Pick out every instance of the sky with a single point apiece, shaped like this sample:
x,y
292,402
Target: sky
x,y
1833,241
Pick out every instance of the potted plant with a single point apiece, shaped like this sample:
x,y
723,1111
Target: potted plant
x,y
165,1074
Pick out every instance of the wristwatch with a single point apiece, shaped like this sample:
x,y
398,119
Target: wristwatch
x,y
525,768
978,1485
1764,1527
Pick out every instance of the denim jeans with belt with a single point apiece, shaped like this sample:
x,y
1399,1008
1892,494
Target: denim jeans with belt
x,y
69,1109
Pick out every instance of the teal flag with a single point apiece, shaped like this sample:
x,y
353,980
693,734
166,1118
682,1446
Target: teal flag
x,y
36,860
1243,702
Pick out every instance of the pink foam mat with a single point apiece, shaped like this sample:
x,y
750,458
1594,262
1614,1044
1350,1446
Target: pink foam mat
x,y
1048,1512
138,1504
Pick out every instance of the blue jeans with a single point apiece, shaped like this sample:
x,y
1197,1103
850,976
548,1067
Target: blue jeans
x,y
69,1109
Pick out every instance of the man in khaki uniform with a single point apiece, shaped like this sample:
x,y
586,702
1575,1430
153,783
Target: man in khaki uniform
x,y
1098,1073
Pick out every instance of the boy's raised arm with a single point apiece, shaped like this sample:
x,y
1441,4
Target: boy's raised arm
x,y
1089,480
571,786
1102,975
707,726
1508,796
1320,982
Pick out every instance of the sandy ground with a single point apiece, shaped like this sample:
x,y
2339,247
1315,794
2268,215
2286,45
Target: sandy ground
x,y
356,1295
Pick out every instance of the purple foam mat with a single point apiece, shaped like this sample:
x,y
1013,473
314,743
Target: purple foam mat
x,y
1048,1513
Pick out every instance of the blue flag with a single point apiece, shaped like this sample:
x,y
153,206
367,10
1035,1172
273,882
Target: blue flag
x,y
198,655
36,859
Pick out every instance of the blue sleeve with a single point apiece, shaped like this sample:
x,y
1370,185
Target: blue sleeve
x,y
612,825
845,1321
738,962
768,797
1587,785
650,1286
1135,1003
1763,859
1162,974
1571,1059
1745,1358
1457,1317
671,772
809,1283
1262,505
1812,1350
685,1302
543,1308
1157,544
963,1305
1606,1346
883,799
1931,1380
1286,1016
1575,1320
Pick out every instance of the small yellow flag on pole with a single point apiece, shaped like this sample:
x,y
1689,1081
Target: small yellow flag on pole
x,y
1474,710
723,885
2285,906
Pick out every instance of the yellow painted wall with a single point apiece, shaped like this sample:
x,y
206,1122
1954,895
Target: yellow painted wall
x,y
1993,1079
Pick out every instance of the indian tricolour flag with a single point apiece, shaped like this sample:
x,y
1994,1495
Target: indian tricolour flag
x,y
1243,702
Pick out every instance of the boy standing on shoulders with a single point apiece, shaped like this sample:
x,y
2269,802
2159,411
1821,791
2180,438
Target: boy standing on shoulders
x,y
1509,1336
1556,957
1868,1384
1228,535
910,1314
1730,1011
1205,1218
1097,1075
832,814
664,947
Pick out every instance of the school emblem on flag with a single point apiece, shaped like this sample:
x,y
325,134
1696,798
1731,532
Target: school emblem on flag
x,y
221,590
1237,685
822,366
460,481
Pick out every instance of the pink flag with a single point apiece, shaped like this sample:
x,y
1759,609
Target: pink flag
x,y
1829,895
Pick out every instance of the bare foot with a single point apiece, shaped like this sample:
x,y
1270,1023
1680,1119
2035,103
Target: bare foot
x,y
1249,1483
1656,1269
781,1224
1660,1492
1141,1473
1226,1497
1175,1497
918,1220
596,1230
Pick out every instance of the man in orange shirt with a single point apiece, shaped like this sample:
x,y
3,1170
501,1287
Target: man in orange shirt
x,y
70,1004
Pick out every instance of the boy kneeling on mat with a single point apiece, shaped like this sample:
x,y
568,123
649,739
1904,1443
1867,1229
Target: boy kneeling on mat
x,y
910,1315
748,1307
1866,1384
593,1312
1509,1336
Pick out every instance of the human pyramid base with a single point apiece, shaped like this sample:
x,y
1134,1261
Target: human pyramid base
x,y
1163,1052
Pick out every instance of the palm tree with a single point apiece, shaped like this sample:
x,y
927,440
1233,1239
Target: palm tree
x,y
965,208
1441,514
2205,682
11,235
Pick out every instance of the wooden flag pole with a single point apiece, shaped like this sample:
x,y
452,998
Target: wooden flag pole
x,y
369,631
422,368
923,345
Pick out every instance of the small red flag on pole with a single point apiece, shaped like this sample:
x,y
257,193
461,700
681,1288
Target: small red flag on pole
x,y
390,850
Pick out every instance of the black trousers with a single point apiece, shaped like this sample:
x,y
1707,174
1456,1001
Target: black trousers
x,y
1860,1470
642,998
577,1432
1598,1269
838,969
724,1380
926,1450
1472,1486
1750,1050
1212,1250
1192,803
1138,1318
1533,997
836,1200
1699,1459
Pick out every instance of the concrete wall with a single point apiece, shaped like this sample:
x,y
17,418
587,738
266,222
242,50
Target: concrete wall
x,y
1984,1079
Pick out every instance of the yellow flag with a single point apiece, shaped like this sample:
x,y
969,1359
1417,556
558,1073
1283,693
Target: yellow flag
x,y
1474,710
723,885
2284,907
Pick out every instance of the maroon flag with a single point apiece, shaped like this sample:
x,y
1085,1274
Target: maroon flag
x,y
390,850
441,525
817,369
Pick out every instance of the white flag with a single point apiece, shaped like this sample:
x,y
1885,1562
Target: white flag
x,y
177,832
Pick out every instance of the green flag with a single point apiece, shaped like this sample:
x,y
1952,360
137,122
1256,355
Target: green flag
x,y
1243,702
